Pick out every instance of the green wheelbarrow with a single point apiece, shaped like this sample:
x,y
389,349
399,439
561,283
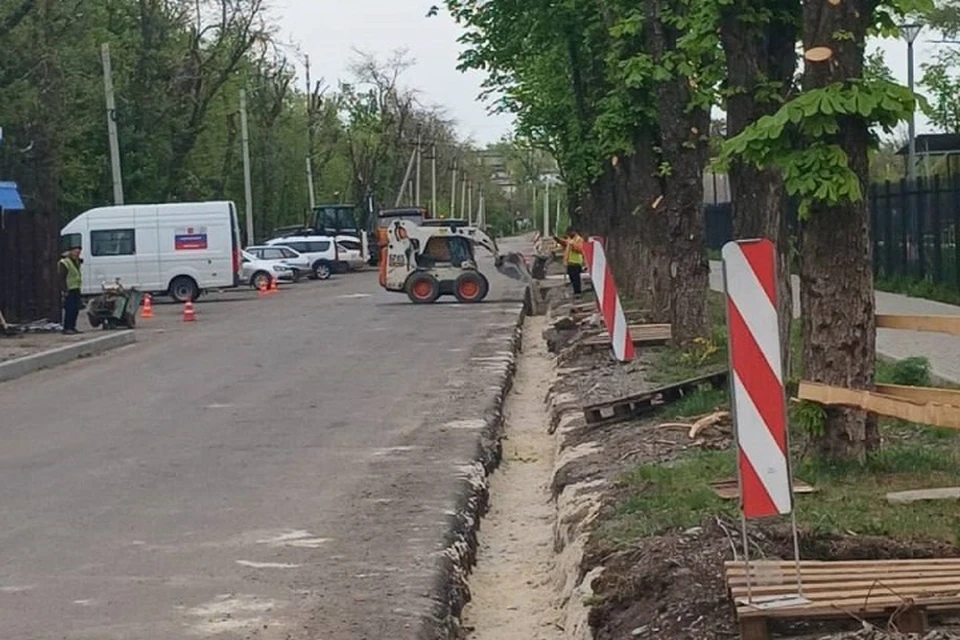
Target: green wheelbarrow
x,y
115,308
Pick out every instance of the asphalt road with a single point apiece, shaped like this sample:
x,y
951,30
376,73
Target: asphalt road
x,y
280,469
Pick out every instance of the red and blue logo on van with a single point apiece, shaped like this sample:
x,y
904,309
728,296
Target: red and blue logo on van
x,y
190,239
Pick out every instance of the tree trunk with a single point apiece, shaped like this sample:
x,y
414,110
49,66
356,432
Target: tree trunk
x,y
618,208
758,53
684,130
836,277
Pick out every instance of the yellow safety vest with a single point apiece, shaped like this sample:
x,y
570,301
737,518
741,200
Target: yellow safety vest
x,y
572,251
74,277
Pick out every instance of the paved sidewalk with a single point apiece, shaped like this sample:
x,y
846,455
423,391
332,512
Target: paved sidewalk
x,y
942,350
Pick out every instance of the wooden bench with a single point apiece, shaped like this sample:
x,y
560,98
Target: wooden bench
x,y
902,591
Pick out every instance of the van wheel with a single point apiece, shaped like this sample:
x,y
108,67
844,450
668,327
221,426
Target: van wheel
x,y
183,289
321,271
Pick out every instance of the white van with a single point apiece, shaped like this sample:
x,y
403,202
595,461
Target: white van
x,y
179,249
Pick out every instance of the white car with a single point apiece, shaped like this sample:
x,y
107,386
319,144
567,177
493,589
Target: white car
x,y
299,263
320,252
256,272
350,253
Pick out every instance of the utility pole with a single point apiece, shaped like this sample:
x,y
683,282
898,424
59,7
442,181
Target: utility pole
x,y
463,194
419,157
433,180
910,33
453,191
482,211
310,192
556,227
406,179
470,203
112,125
245,144
546,208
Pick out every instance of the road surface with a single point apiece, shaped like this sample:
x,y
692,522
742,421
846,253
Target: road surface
x,y
280,469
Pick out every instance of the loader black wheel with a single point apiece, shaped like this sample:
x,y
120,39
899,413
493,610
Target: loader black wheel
x,y
423,288
471,286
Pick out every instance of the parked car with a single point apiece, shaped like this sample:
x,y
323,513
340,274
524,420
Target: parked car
x,y
320,251
256,272
297,261
176,249
350,258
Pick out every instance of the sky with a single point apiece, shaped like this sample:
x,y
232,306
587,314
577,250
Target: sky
x,y
329,31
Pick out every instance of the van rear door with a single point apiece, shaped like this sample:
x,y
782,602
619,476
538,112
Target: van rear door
x,y
236,246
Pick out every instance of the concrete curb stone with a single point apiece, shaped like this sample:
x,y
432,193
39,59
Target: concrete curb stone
x,y
19,367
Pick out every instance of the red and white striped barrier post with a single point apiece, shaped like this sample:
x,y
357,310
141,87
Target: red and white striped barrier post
x,y
756,373
608,300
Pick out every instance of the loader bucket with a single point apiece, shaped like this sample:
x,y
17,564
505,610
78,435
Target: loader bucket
x,y
513,266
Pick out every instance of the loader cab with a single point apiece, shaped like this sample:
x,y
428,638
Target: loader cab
x,y
446,251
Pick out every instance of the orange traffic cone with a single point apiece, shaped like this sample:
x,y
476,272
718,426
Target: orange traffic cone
x,y
147,312
188,314
273,285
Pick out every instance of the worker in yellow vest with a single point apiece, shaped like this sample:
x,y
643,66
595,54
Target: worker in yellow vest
x,y
71,280
573,259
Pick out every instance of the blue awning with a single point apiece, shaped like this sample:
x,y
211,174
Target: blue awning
x,y
10,197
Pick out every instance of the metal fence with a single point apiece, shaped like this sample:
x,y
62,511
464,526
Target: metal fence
x,y
28,266
914,227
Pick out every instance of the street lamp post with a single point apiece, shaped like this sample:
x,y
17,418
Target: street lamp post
x,y
910,33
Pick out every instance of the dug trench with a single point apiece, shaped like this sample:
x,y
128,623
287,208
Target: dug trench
x,y
611,531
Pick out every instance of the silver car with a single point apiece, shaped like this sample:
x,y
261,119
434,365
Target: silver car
x,y
258,273
285,255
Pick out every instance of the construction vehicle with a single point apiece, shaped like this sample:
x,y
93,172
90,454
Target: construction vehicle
x,y
427,261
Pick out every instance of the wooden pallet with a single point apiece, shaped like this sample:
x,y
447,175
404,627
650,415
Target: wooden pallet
x,y
642,403
902,591
641,334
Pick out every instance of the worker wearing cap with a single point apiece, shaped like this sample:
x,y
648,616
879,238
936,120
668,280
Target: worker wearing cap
x,y
573,259
71,280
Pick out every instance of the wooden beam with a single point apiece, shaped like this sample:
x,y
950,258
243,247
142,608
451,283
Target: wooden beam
x,y
935,323
921,395
639,333
920,413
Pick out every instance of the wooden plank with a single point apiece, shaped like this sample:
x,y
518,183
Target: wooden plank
x,y
754,629
921,395
921,495
788,580
821,590
934,414
858,606
909,322
639,333
730,490
844,564
913,620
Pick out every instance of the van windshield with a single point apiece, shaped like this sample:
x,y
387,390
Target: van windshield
x,y
68,240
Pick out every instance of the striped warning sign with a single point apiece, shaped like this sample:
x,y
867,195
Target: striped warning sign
x,y
750,278
609,300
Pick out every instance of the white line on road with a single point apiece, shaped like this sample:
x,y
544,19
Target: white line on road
x,y
267,565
